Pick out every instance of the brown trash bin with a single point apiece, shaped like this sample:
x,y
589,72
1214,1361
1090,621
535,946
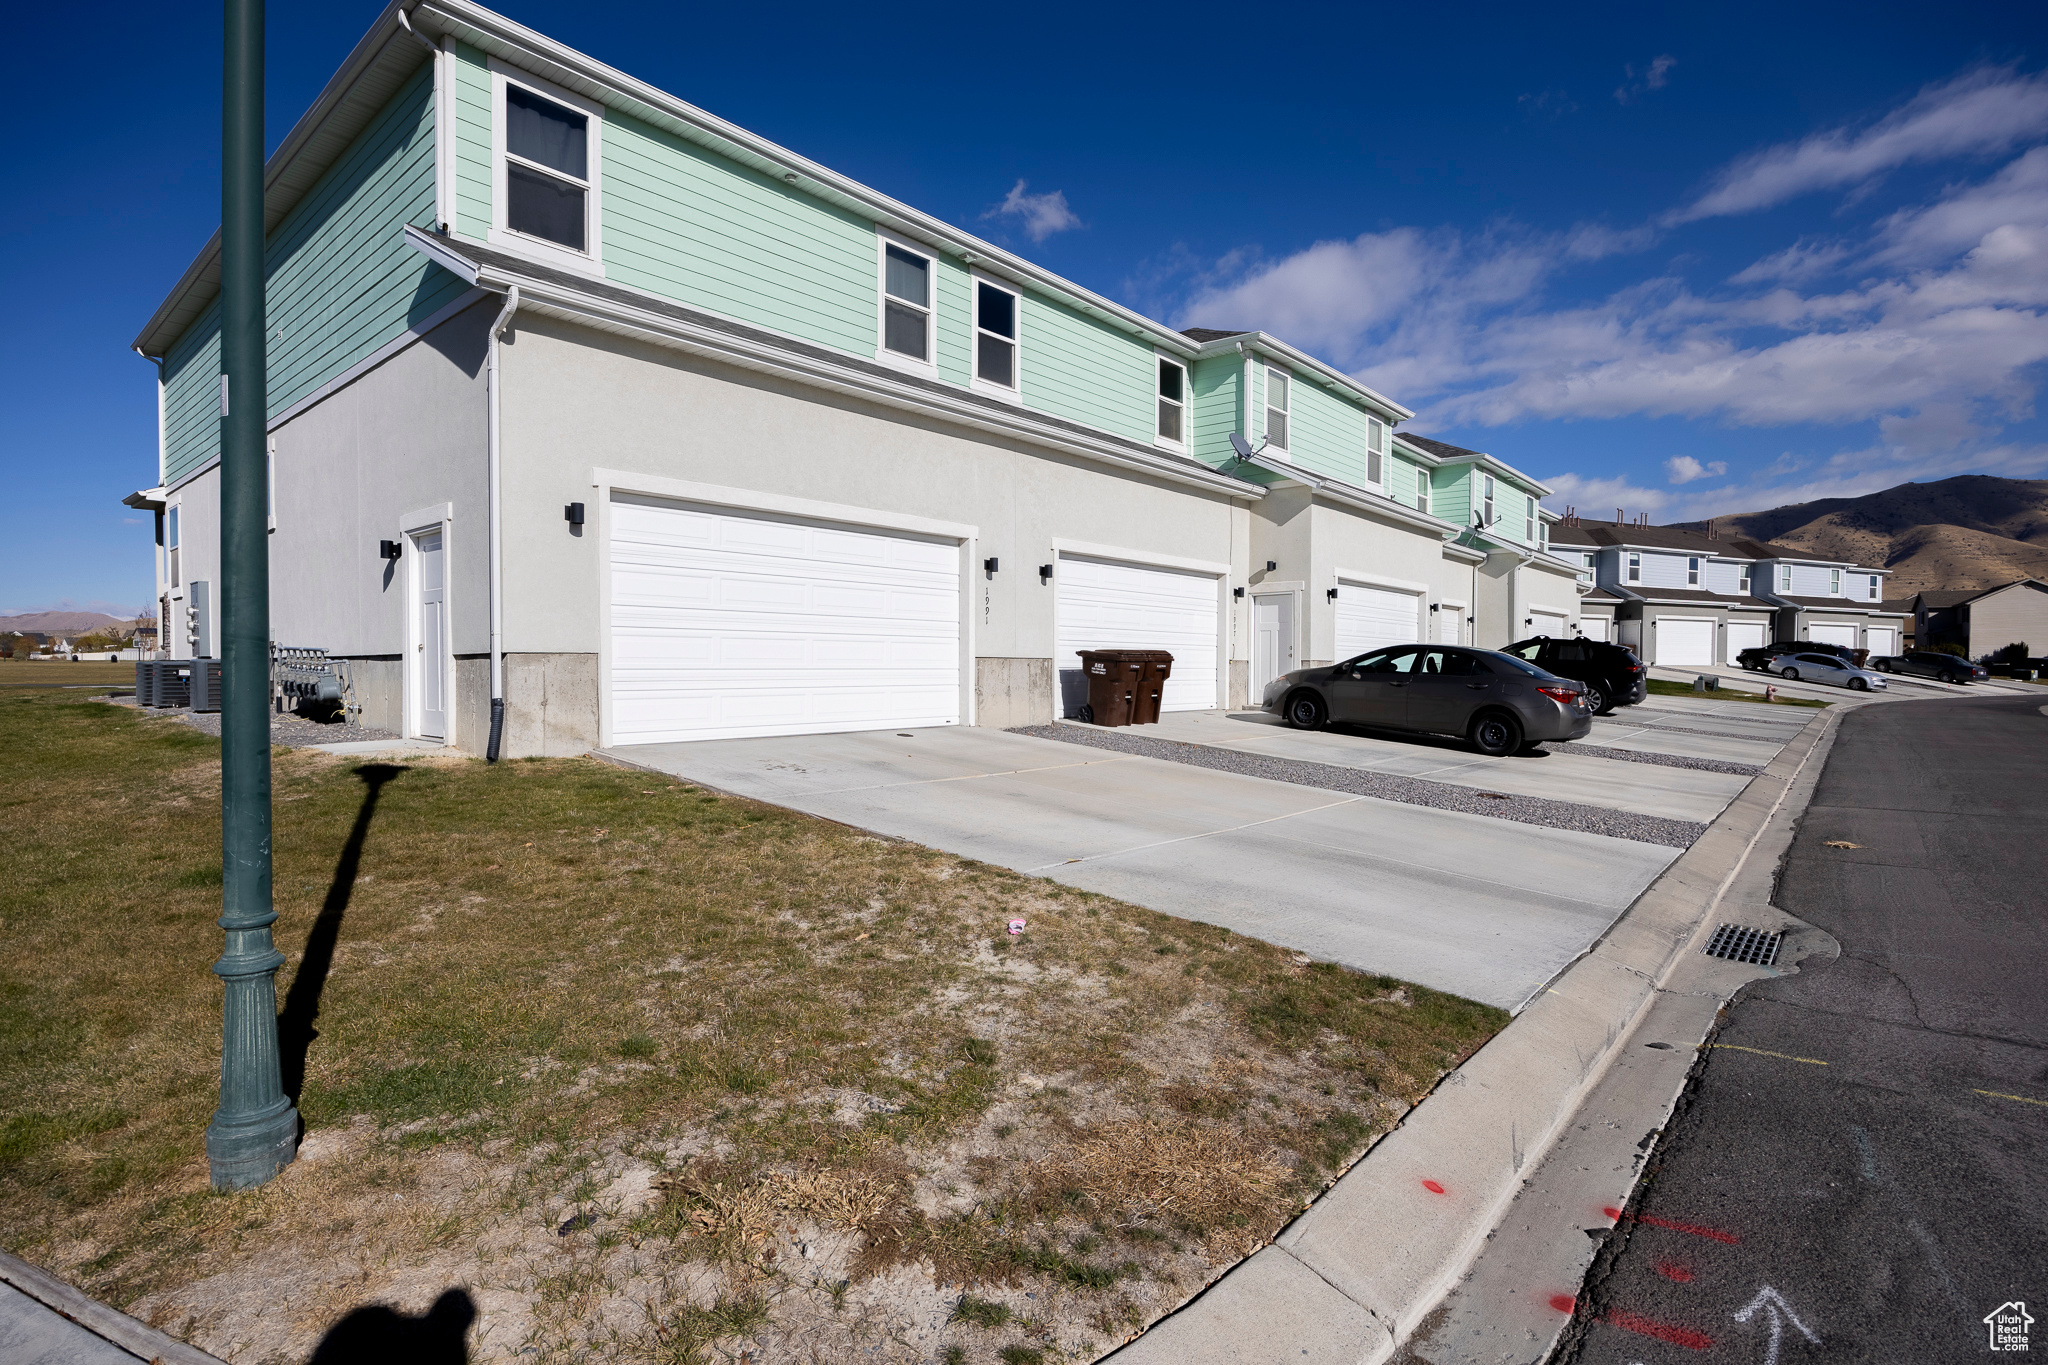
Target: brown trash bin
x,y
1158,667
1112,686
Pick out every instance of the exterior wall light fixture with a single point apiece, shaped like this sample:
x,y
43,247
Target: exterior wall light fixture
x,y
1237,593
389,549
988,566
573,514
1045,573
1333,594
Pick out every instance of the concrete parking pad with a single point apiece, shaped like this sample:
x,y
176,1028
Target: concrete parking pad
x,y
1645,734
1485,908
1676,793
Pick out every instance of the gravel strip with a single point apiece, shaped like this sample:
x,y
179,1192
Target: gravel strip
x,y
1409,791
1698,765
1692,730
294,732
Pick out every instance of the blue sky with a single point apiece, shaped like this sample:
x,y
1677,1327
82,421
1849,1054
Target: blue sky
x,y
1682,259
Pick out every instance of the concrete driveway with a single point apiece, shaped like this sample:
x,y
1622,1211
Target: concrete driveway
x,y
1485,908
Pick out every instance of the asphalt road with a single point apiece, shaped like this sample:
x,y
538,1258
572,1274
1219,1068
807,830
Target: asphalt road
x,y
1859,1167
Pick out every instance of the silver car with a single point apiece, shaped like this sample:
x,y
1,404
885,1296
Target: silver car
x,y
1826,668
1499,703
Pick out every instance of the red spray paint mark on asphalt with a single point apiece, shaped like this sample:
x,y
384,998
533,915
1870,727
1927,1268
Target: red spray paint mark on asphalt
x,y
1563,1303
1671,1270
1695,1229
1432,1187
1662,1331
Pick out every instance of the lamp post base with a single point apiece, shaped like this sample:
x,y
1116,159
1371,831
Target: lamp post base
x,y
249,1149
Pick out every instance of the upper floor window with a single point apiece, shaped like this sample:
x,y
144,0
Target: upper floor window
x,y
1784,578
1276,408
1375,451
906,302
1873,587
1635,567
1173,398
550,163
1742,581
1422,490
1529,520
1586,566
1542,537
1692,571
1834,582
1486,507
171,544
995,335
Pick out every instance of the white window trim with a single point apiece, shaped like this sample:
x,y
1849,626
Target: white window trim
x,y
1384,450
589,261
1423,491
174,547
1287,413
1632,567
975,279
1742,582
928,368
1186,408
1784,578
1834,582
1529,520
1692,571
1875,588
1486,507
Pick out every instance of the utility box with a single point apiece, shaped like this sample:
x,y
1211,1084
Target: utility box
x,y
199,618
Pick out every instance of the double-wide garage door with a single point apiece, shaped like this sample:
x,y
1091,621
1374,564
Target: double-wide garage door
x,y
728,624
1369,617
1110,604
1686,643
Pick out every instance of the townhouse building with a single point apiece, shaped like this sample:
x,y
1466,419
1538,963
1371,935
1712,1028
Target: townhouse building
x,y
1981,621
596,412
1688,597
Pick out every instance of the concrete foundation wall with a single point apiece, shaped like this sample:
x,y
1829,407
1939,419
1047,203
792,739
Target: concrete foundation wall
x,y
1013,692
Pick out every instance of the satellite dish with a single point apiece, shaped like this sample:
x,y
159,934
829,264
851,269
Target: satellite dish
x,y
1239,444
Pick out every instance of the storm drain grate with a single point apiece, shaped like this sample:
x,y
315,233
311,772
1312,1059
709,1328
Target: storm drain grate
x,y
1758,947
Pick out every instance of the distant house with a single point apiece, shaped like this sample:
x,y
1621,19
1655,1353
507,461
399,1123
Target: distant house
x,y
1984,620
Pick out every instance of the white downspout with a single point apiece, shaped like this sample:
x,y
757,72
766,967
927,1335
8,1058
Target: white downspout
x,y
494,485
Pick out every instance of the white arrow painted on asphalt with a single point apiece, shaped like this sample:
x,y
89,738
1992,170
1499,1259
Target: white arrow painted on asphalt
x,y
1773,1303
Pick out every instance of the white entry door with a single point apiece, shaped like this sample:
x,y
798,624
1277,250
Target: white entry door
x,y
1109,604
1273,649
1883,639
1832,635
1368,617
1549,623
1744,635
1593,627
728,624
430,641
1450,626
1687,643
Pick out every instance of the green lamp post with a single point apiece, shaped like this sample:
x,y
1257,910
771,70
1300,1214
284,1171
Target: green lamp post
x,y
254,1133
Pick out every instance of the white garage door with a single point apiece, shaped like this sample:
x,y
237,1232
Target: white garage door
x,y
1883,639
1549,623
1593,627
1106,604
1685,642
726,624
1368,617
1744,635
1832,635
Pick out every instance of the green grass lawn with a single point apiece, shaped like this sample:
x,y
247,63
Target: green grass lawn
x,y
643,1067
1660,687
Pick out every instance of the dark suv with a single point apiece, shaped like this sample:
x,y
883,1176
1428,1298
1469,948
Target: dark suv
x,y
1613,675
1927,664
1758,659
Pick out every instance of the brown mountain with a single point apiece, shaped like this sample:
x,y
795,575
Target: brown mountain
x,y
1971,531
64,623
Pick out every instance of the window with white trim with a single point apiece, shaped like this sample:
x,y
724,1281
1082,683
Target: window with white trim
x,y
549,170
906,302
1873,587
1488,502
1585,566
1692,571
1742,582
1635,567
1422,490
1529,521
1173,399
1834,582
995,334
171,544
1784,578
1375,451
1276,408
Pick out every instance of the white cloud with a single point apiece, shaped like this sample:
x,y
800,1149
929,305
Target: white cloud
x,y
1040,215
1981,112
1656,76
1685,469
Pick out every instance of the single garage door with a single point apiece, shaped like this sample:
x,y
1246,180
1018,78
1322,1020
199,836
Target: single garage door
x,y
1688,643
1832,635
1108,604
1744,635
1549,623
726,624
1593,627
1883,639
1368,617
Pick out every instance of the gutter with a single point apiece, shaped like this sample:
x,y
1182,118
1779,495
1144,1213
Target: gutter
x,y
494,484
1349,495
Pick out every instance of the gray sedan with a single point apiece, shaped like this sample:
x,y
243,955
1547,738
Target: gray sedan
x,y
1826,668
1499,703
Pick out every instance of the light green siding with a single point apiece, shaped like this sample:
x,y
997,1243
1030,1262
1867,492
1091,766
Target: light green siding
x,y
956,319
1328,433
1078,369
1401,479
342,281
472,143
1214,410
1450,494
709,233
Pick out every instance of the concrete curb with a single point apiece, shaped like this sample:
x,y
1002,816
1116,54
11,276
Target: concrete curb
x,y
136,1338
1353,1276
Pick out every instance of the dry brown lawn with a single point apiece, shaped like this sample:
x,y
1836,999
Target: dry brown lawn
x,y
650,1073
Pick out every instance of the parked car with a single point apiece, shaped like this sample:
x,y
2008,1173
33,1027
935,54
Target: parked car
x,y
1758,659
1832,669
1613,675
1925,663
1499,703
